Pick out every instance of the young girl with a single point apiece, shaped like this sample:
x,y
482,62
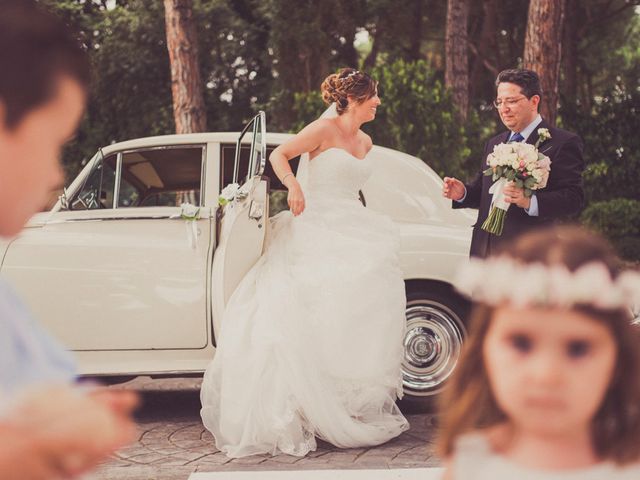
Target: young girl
x,y
549,384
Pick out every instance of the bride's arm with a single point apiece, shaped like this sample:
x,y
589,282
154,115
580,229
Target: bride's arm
x,y
307,140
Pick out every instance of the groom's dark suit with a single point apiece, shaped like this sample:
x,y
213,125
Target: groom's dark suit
x,y
561,198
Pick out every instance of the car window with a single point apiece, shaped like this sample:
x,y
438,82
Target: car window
x,y
277,193
97,191
162,177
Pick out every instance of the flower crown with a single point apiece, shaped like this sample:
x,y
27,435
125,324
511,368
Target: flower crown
x,y
501,280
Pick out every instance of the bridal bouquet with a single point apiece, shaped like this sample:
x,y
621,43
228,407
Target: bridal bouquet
x,y
516,162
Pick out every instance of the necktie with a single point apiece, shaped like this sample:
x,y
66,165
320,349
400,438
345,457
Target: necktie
x,y
516,137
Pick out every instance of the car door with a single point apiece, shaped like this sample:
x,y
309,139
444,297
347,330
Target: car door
x,y
242,221
119,269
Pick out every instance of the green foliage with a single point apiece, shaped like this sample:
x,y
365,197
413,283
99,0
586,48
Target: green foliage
x,y
612,143
619,220
417,116
306,107
130,95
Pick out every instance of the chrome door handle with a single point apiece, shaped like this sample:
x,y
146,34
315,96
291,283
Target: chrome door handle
x,y
241,195
256,211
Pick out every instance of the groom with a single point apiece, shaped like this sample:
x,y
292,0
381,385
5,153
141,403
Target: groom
x,y
517,100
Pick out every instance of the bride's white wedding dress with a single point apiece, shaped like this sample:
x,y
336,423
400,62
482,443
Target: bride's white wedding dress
x,y
311,340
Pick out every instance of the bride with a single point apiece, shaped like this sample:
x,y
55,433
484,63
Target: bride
x,y
311,340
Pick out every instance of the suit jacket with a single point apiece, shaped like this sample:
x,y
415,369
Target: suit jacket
x,y
562,198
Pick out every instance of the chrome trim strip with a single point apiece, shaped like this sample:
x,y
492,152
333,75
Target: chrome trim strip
x,y
98,219
263,145
138,373
203,175
116,190
165,147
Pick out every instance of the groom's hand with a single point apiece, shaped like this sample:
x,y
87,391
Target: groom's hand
x,y
515,195
453,188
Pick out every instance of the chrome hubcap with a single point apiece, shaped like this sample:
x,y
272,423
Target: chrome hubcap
x,y
432,345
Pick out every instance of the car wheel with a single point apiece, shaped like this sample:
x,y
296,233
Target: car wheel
x,y
433,340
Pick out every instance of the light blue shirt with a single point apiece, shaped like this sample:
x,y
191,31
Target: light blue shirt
x,y
532,211
28,354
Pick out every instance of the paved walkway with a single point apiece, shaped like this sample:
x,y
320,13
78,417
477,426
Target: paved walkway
x,y
396,474
173,444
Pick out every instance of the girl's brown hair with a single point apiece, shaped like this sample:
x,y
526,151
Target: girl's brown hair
x,y
468,403
348,82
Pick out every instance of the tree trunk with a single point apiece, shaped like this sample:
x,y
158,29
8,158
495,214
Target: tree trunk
x,y
416,31
487,46
570,53
186,84
456,75
542,50
376,39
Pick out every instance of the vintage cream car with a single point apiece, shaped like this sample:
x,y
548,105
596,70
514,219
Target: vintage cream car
x,y
132,288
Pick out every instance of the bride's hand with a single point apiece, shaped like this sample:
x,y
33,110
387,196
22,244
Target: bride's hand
x,y
295,198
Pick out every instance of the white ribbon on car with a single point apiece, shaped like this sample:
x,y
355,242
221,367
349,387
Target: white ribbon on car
x,y
190,213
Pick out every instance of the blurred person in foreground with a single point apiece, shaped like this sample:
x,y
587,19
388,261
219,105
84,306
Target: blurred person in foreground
x,y
548,386
49,427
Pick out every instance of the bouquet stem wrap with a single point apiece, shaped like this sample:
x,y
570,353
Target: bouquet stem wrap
x,y
495,221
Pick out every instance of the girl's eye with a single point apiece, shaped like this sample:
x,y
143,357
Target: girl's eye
x,y
522,343
578,348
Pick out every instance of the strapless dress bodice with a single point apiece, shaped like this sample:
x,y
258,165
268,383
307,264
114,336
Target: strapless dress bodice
x,y
336,173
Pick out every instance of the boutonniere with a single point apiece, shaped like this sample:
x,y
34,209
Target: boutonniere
x,y
543,136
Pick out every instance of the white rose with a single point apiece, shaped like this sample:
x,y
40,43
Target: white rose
x,y
528,154
228,193
503,149
544,163
538,174
509,158
189,211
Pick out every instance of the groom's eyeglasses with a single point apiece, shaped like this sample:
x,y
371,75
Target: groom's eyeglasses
x,y
509,102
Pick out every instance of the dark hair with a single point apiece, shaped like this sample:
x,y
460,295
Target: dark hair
x,y
468,403
348,82
527,80
36,48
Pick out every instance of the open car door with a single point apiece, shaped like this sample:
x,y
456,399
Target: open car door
x,y
243,220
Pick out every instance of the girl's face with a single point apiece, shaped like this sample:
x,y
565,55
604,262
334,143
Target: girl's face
x,y
549,370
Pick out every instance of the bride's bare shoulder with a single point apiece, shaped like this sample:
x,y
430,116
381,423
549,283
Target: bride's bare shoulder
x,y
366,140
324,123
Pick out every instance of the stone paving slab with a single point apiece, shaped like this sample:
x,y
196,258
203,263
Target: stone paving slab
x,y
173,444
402,474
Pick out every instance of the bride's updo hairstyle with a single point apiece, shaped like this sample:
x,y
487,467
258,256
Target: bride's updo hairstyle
x,y
348,82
